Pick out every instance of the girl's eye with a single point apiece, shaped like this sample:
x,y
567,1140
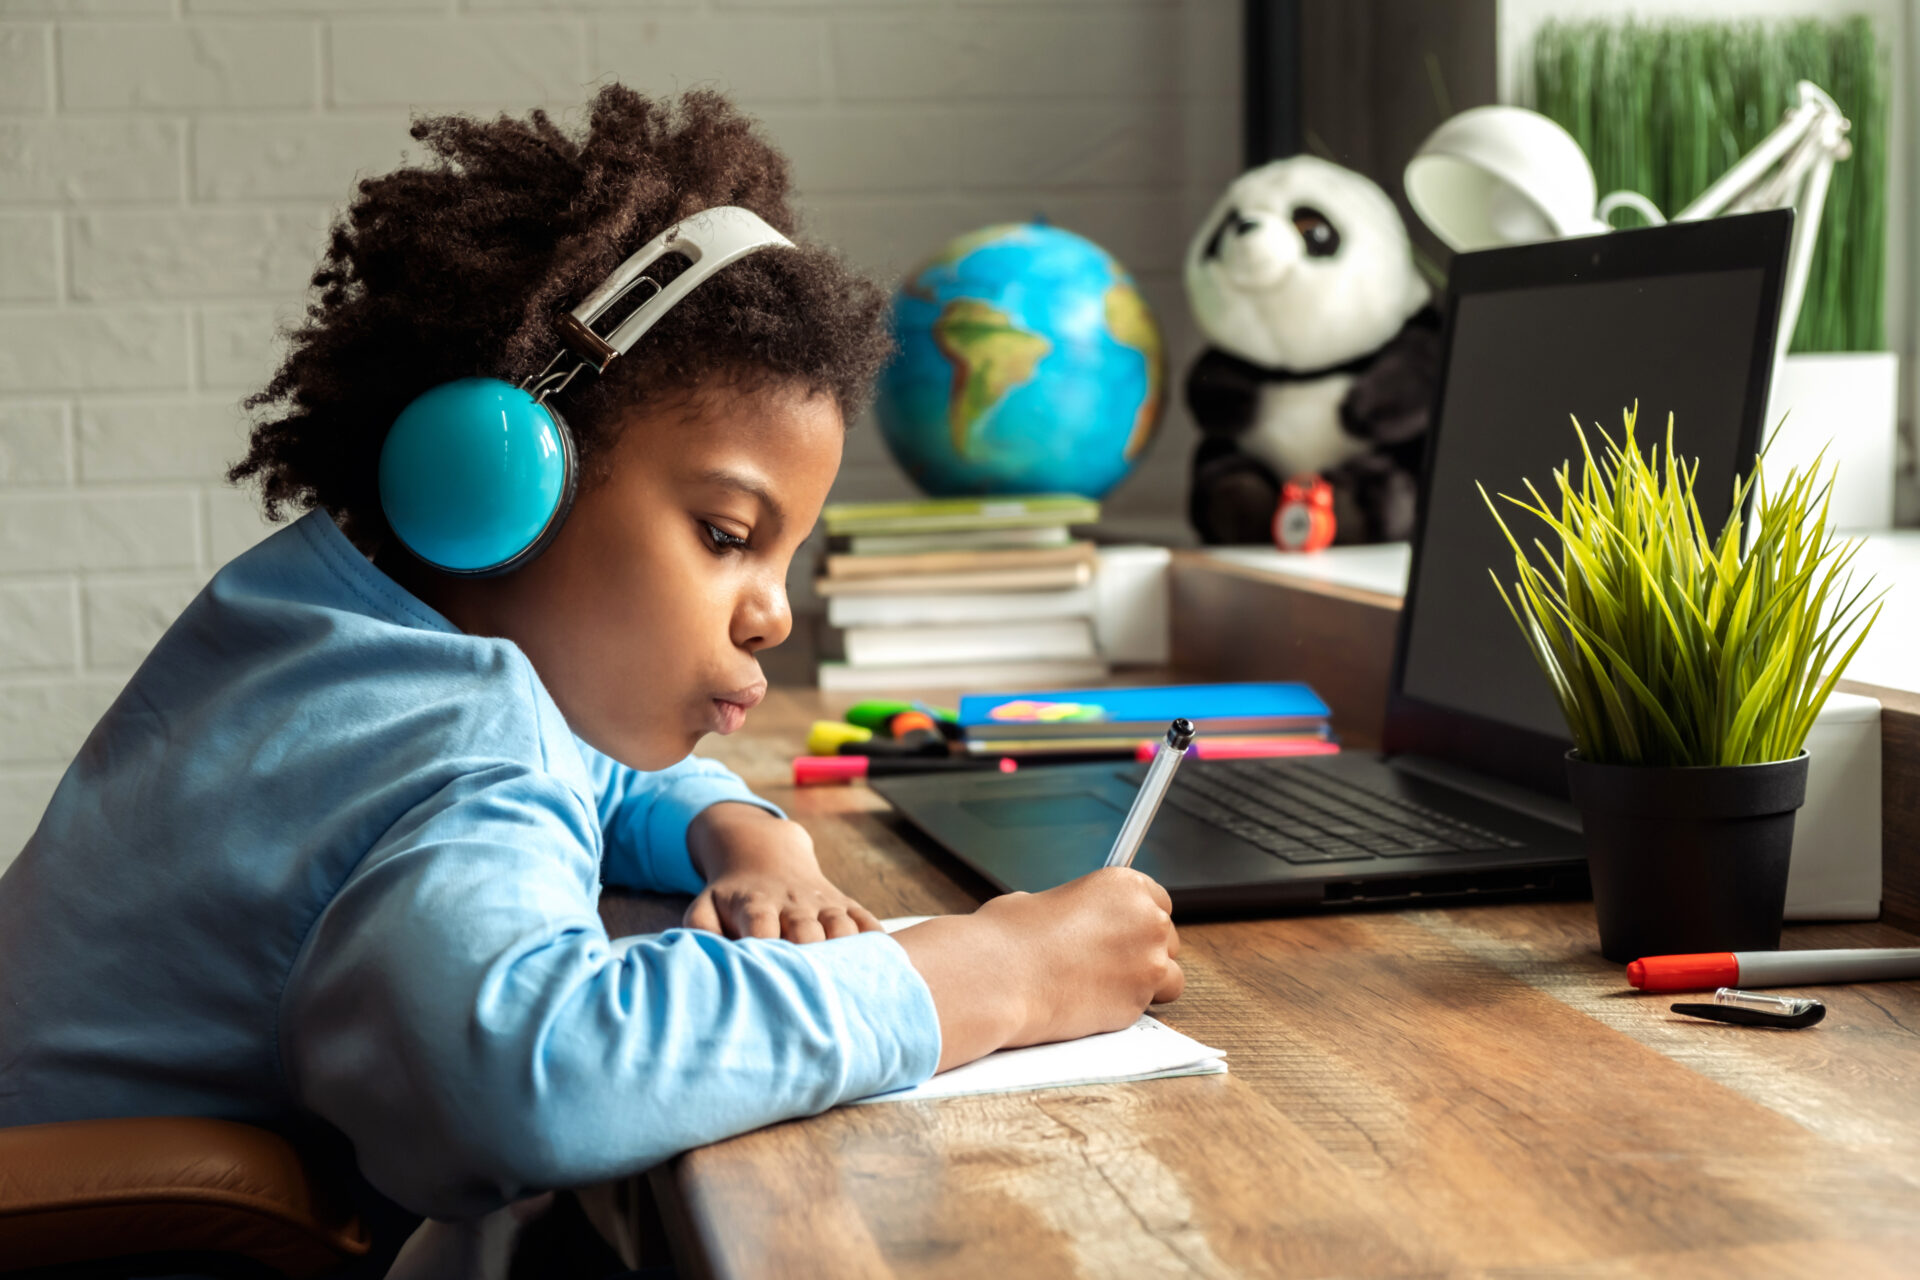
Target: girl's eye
x,y
722,541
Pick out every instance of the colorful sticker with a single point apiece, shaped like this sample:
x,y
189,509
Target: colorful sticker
x,y
1024,711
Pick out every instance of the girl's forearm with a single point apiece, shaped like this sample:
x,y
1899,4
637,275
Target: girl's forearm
x,y
972,969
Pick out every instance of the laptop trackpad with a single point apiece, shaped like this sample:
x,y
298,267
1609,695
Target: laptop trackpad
x,y
1078,809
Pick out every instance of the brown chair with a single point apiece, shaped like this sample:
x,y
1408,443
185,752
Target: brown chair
x,y
99,1198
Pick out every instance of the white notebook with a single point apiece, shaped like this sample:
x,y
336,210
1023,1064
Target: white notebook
x,y
1147,1050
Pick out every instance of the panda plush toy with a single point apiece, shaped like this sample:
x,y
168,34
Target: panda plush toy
x,y
1324,354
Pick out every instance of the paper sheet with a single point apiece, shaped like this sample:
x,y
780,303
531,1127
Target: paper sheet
x,y
1147,1050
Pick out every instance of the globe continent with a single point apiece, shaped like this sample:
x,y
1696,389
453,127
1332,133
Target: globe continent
x,y
1027,362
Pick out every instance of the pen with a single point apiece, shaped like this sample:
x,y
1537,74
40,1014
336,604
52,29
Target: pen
x,y
1153,789
1772,968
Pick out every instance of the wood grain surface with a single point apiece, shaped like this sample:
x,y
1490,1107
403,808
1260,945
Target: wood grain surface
x,y
1453,1092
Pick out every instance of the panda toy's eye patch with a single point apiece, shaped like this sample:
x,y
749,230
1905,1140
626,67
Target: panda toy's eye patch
x,y
1233,223
1323,241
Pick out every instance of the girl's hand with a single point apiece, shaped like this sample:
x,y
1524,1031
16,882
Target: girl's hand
x,y
1028,968
763,880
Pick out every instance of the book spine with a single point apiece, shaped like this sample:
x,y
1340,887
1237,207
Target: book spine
x,y
912,646
1056,578
837,677
1260,726
899,544
935,609
842,565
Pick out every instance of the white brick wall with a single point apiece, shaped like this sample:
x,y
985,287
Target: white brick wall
x,y
167,168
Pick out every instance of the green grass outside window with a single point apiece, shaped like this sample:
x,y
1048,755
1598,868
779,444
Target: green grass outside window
x,y
1666,108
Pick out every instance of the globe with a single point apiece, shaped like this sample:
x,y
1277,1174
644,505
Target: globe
x,y
1027,362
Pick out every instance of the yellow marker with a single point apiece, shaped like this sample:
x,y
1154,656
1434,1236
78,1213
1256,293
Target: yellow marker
x,y
825,737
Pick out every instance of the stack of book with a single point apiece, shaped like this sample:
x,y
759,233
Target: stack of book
x,y
1262,719
960,593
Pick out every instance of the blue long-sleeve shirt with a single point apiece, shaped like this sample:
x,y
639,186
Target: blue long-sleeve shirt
x,y
328,856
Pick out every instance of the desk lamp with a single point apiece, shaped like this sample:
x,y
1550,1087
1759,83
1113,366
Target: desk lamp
x,y
1506,175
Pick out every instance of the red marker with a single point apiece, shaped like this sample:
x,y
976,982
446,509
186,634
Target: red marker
x,y
812,770
1773,968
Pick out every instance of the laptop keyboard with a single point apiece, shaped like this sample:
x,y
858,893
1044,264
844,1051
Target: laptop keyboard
x,y
1305,815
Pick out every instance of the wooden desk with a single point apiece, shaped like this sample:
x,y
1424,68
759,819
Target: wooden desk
x,y
1458,1092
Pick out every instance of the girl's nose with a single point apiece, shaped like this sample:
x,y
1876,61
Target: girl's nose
x,y
764,617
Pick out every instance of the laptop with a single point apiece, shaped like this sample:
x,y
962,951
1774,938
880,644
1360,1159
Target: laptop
x,y
1468,798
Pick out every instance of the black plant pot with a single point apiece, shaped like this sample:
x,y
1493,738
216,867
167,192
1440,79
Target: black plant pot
x,y
1686,860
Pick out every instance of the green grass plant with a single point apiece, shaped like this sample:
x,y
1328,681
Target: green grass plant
x,y
1665,108
1665,642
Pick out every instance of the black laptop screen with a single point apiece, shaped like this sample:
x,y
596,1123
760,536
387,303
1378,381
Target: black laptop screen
x,y
1523,360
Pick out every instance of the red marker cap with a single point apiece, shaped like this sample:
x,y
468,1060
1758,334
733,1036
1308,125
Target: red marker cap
x,y
810,770
1685,973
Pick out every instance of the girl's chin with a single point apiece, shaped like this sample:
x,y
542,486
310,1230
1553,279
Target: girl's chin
x,y
654,752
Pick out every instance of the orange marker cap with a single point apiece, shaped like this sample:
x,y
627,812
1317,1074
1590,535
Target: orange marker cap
x,y
907,721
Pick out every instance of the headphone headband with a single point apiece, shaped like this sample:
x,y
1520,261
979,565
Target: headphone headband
x,y
709,240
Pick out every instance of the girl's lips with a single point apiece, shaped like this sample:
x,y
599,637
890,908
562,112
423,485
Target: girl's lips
x,y
728,716
730,708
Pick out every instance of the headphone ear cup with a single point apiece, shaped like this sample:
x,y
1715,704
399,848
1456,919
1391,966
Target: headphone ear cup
x,y
570,484
476,476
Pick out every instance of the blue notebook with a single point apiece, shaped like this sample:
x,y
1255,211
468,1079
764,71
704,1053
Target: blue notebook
x,y
1144,710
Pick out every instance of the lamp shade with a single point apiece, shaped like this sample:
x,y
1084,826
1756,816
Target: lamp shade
x,y
1502,175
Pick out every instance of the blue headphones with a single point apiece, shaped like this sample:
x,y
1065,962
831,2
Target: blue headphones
x,y
476,476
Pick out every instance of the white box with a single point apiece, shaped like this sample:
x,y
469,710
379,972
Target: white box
x,y
1848,403
1130,605
1836,835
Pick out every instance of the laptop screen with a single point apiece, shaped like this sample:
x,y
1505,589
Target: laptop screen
x,y
1582,328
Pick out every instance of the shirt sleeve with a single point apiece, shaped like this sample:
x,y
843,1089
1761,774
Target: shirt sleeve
x,y
645,817
460,1014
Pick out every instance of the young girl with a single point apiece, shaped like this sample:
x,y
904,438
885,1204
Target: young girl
x,y
330,862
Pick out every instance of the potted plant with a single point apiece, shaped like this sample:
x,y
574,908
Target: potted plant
x,y
1689,669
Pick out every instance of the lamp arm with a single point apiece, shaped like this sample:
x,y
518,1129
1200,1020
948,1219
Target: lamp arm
x,y
1751,168
1806,230
1811,138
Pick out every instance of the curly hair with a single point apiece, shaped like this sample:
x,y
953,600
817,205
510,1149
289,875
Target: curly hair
x,y
455,268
